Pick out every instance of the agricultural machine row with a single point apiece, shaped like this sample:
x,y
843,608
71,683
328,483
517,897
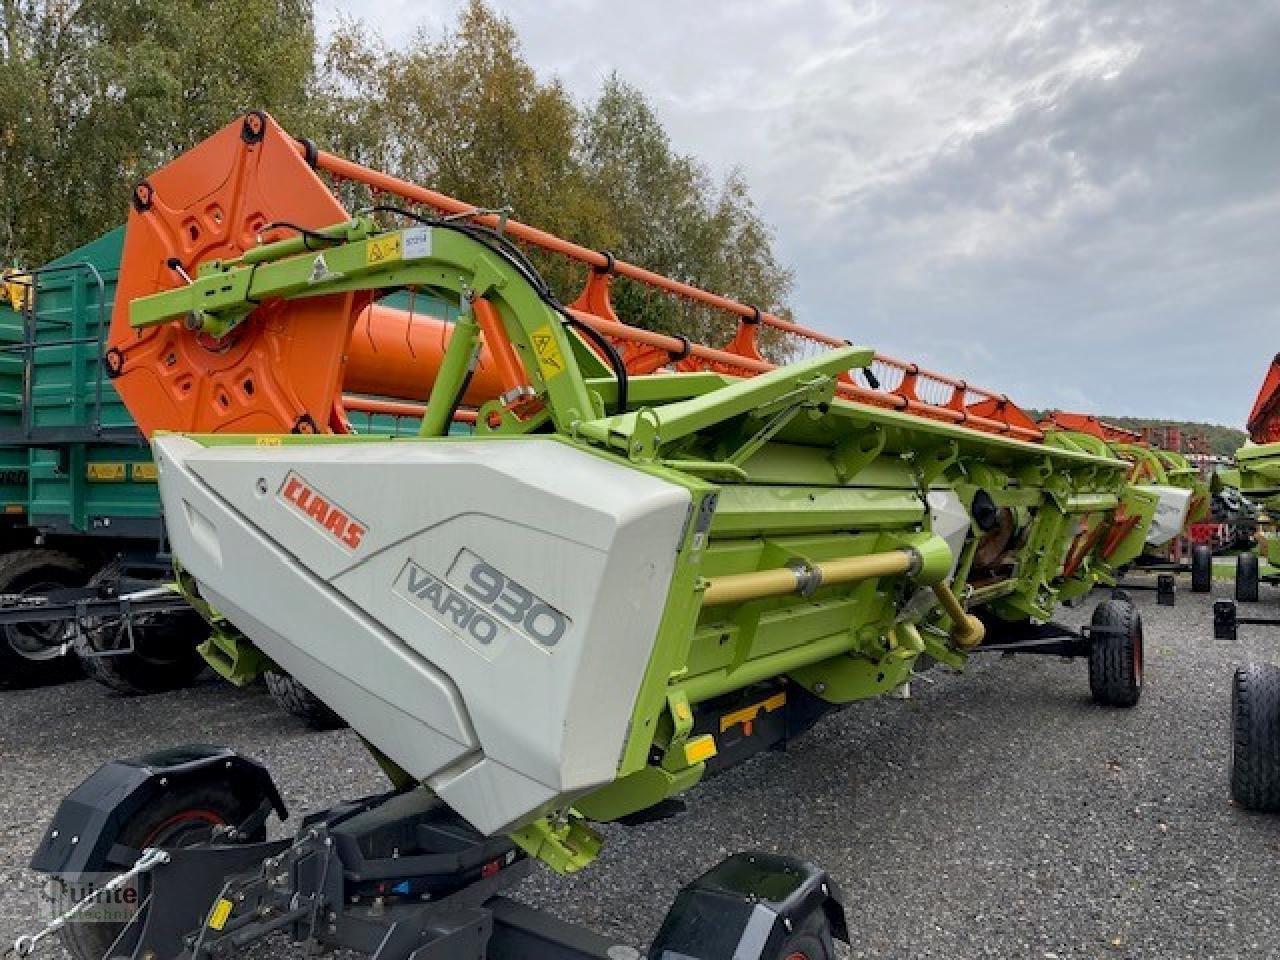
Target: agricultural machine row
x,y
552,568
1255,697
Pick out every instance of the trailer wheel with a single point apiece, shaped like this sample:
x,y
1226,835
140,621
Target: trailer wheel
x,y
180,819
1247,578
164,653
32,654
292,697
1116,654
1255,737
810,940
1201,568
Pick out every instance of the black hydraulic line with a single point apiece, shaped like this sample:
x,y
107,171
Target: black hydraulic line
x,y
502,246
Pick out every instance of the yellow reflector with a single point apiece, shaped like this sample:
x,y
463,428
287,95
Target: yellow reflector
x,y
14,508
699,749
220,914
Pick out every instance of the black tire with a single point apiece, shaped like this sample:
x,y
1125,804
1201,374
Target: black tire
x,y
33,654
1247,578
176,820
810,940
292,697
1116,654
1201,568
1255,737
164,653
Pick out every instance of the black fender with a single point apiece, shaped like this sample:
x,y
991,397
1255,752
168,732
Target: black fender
x,y
83,835
745,906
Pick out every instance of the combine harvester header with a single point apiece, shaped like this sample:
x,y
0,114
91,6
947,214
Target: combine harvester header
x,y
648,561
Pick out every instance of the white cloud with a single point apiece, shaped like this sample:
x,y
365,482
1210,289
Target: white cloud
x,y
1074,202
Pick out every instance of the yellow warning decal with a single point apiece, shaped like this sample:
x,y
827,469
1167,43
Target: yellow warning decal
x,y
699,749
110,472
220,913
747,715
545,348
382,249
268,442
145,471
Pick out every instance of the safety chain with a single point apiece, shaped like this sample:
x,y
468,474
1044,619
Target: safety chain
x,y
151,858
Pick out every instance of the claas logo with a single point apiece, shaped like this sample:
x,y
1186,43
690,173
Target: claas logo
x,y
330,518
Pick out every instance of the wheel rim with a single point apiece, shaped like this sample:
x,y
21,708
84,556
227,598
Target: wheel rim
x,y
184,828
36,641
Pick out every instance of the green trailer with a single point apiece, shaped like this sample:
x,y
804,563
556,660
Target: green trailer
x,y
81,514
83,558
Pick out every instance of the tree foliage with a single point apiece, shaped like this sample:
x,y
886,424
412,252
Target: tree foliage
x,y
467,115
94,94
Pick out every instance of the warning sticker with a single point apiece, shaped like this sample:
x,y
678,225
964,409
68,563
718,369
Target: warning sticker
x,y
382,249
545,348
106,471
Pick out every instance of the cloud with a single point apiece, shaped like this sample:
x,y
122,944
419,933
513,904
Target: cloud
x,y
1074,203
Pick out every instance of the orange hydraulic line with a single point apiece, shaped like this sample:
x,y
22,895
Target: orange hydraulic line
x,y
392,408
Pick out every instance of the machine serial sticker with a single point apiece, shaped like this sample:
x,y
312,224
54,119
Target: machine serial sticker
x,y
545,348
480,604
382,249
417,243
325,515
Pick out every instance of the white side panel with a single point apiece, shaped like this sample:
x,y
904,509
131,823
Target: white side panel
x,y
514,588
949,520
1172,506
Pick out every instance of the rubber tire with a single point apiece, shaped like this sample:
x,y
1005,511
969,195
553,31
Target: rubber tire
x,y
1201,568
1255,737
292,697
32,566
1116,659
91,941
1247,578
811,940
142,672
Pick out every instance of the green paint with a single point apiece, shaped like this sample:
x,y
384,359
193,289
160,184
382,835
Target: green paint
x,y
782,469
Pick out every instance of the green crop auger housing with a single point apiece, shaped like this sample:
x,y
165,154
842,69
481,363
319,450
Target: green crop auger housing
x,y
579,613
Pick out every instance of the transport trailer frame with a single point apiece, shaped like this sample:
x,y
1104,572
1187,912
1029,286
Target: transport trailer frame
x,y
1227,620
119,602
397,876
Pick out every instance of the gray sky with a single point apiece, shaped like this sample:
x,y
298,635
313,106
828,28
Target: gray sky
x,y
1077,203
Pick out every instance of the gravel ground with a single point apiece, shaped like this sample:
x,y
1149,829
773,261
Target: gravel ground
x,y
996,815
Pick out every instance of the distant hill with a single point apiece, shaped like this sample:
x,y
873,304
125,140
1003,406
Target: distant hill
x,y
1222,440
